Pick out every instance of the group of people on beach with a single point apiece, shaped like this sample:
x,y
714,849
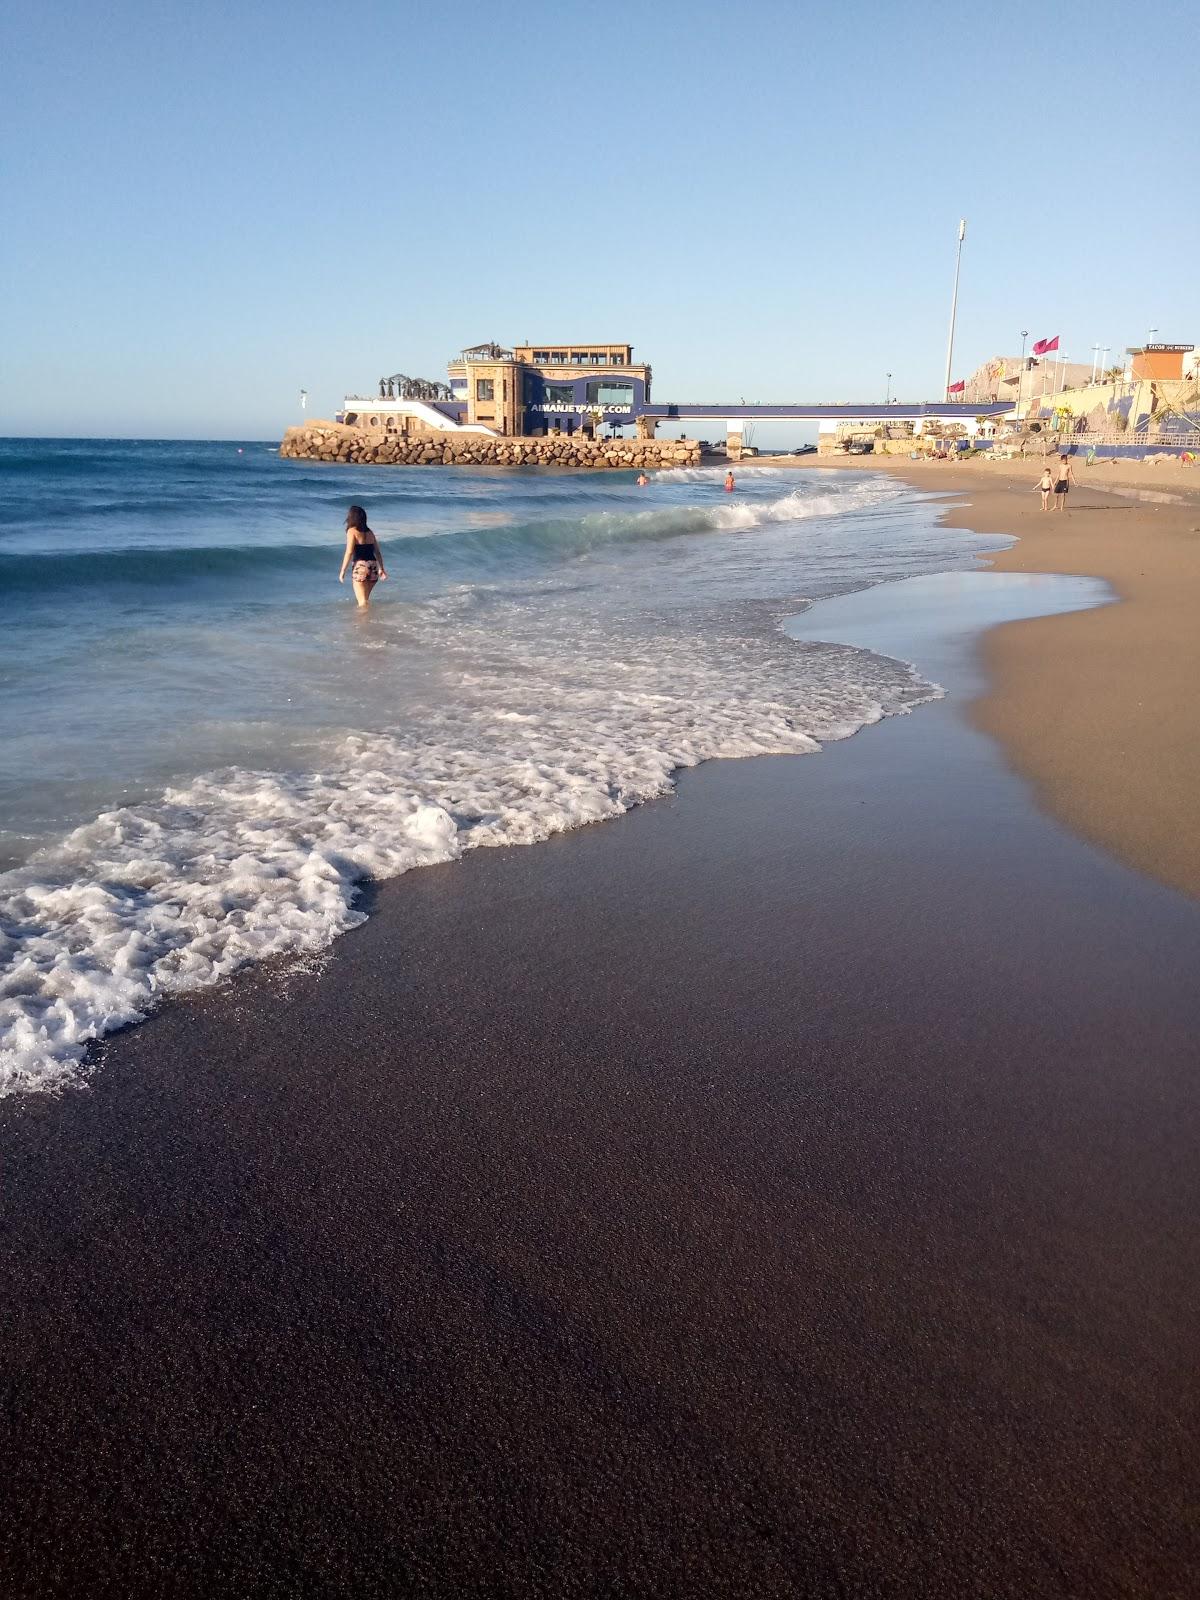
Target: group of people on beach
x,y
730,481
1056,482
363,559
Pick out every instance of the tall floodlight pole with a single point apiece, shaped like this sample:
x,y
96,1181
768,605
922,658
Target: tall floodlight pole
x,y
887,398
1095,360
962,234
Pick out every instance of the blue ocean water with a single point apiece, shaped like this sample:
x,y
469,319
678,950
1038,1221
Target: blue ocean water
x,y
206,749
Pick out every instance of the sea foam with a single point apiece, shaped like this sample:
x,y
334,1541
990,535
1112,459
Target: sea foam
x,y
552,672
238,866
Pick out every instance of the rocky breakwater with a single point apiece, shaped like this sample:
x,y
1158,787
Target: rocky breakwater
x,y
333,441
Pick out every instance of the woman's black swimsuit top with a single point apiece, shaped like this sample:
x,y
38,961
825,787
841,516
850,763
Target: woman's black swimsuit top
x,y
365,552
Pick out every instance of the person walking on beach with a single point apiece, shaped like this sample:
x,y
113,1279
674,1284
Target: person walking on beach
x,y
1046,485
362,555
1063,480
730,482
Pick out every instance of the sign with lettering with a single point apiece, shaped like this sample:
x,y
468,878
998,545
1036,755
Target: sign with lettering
x,y
584,405
1170,349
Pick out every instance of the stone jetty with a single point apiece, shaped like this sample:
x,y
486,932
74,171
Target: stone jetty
x,y
333,441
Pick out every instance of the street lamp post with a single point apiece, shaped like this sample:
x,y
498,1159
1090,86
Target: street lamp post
x,y
962,234
1021,371
1095,360
887,398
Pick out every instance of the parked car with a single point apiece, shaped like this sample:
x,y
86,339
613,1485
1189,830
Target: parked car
x,y
861,447
749,449
805,450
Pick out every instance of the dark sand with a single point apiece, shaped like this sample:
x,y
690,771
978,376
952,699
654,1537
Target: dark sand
x,y
790,1189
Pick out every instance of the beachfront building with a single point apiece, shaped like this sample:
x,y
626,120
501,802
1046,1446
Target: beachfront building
x,y
546,388
529,390
1163,363
1150,403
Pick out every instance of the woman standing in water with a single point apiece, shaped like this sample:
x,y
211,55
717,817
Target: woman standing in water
x,y
362,555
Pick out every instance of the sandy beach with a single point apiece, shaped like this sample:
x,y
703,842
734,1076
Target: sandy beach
x,y
787,1189
1097,711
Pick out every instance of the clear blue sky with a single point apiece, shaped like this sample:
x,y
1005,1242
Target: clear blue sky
x,y
210,205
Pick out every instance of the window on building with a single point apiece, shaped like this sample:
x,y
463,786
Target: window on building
x,y
541,355
610,394
597,358
617,359
485,389
560,394
558,355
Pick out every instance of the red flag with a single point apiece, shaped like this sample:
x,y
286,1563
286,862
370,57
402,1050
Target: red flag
x,y
1043,345
957,388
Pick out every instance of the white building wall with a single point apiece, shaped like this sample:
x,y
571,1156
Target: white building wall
x,y
420,409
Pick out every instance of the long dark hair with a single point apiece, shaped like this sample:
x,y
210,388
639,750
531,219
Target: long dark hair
x,y
356,518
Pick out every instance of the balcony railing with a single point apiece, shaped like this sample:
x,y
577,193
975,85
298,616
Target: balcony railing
x,y
493,353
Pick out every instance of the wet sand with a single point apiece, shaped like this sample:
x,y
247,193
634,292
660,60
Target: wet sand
x,y
789,1189
1099,712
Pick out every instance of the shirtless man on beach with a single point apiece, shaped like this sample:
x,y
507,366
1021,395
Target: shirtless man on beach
x,y
1064,477
730,482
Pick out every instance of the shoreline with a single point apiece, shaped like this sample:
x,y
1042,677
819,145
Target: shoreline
x,y
785,1188
758,1194
1097,711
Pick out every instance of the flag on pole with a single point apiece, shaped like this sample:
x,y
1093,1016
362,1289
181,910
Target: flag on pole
x,y
303,399
957,388
1045,345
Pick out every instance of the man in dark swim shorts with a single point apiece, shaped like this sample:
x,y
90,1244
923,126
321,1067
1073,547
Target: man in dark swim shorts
x,y
1063,479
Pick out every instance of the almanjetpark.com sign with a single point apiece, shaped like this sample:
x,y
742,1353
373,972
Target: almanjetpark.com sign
x,y
583,405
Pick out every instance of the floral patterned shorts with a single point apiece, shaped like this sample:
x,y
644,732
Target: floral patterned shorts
x,y
365,572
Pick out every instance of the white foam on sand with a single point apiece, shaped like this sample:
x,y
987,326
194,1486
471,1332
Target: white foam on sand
x,y
552,731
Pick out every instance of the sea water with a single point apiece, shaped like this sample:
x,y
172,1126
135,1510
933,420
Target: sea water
x,y
206,751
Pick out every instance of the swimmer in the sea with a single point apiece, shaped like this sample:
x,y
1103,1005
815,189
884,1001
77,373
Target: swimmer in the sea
x,y
730,482
642,480
363,555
